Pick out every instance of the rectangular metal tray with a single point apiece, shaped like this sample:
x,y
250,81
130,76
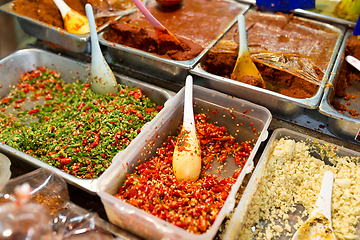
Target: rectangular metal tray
x,y
342,125
26,60
280,105
78,43
154,65
239,122
239,216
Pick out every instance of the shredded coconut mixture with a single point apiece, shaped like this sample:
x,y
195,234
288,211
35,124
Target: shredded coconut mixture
x,y
292,177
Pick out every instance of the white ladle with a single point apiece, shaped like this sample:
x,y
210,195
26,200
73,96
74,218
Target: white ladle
x,y
74,22
187,153
318,225
353,61
103,80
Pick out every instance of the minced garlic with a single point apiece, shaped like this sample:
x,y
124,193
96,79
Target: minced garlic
x,y
292,177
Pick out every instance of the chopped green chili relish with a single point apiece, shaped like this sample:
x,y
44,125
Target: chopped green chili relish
x,y
76,130
191,205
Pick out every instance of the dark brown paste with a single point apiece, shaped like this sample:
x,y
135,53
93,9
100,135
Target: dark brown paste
x,y
146,40
278,33
192,22
47,12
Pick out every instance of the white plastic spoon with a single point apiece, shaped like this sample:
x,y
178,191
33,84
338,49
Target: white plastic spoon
x,y
103,80
318,225
187,152
74,22
244,66
353,61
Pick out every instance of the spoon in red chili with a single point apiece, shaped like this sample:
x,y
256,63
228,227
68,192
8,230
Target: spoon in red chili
x,y
187,152
166,40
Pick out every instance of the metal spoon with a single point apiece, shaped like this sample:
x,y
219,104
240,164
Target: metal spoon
x,y
74,22
166,40
244,66
318,226
103,80
187,153
353,61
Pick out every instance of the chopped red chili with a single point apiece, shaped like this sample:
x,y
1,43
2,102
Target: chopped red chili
x,y
191,205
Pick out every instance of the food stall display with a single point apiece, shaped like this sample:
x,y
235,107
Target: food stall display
x,y
116,151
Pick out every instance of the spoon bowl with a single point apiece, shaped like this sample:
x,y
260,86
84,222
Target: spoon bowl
x,y
74,22
187,152
244,66
318,225
103,80
168,3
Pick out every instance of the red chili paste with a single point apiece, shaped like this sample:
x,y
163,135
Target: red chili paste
x,y
191,205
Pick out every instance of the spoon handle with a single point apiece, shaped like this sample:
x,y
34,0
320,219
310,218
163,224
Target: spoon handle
x,y
147,14
93,32
62,6
189,121
323,203
243,46
353,61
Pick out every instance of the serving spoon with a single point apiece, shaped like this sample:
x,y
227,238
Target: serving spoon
x,y
353,61
187,152
74,22
318,225
166,40
244,66
103,80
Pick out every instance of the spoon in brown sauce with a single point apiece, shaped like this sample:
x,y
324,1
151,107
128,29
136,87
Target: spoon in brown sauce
x,y
166,40
245,69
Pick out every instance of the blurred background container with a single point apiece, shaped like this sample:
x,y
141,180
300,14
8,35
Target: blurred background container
x,y
12,36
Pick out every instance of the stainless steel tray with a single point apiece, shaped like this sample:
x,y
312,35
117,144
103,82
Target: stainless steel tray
x,y
279,105
71,42
342,125
154,65
28,59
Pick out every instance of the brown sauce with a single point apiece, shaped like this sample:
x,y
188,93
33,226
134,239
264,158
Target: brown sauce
x,y
195,23
278,33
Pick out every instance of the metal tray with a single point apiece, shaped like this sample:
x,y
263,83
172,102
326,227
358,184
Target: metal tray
x,y
28,59
280,105
323,11
240,214
342,125
78,43
154,65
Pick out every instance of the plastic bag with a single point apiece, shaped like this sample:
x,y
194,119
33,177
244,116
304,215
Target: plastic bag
x,y
48,189
45,212
23,219
76,223
299,65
